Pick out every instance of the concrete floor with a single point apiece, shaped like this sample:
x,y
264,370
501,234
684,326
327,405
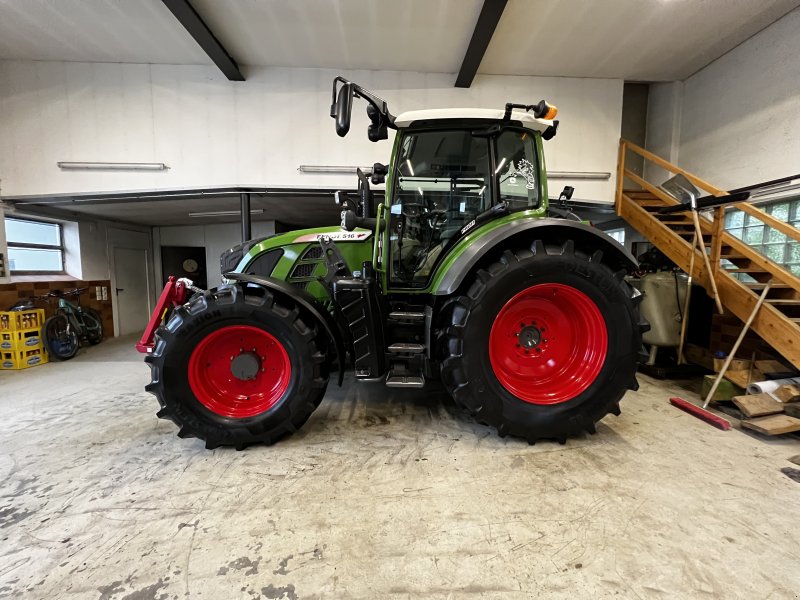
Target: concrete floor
x,y
381,495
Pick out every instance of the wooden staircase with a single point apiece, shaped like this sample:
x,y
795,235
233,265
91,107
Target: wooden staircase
x,y
739,271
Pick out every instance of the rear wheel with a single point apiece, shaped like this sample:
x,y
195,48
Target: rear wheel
x,y
60,337
544,343
238,365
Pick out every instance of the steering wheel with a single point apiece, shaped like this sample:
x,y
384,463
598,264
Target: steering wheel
x,y
437,217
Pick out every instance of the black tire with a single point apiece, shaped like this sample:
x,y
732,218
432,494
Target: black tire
x,y
60,338
467,321
306,347
94,326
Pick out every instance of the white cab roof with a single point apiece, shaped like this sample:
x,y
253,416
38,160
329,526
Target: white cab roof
x,y
527,119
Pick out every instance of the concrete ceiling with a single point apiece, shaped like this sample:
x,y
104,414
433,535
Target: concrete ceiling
x,y
650,40
142,31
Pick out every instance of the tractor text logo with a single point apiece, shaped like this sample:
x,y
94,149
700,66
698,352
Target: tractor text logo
x,y
467,227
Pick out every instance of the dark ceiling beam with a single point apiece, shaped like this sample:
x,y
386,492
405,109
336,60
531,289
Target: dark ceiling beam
x,y
191,21
484,29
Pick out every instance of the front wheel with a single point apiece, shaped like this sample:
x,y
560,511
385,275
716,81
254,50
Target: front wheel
x,y
60,337
544,343
238,365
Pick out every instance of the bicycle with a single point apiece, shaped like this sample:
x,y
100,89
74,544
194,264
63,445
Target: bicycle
x,y
70,324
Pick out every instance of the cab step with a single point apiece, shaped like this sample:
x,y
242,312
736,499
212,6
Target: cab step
x,y
404,381
402,315
406,348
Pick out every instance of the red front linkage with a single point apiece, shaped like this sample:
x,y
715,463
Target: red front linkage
x,y
174,294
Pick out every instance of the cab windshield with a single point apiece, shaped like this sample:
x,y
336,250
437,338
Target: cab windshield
x,y
443,180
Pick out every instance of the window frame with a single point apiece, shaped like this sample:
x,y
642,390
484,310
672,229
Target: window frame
x,y
28,246
496,176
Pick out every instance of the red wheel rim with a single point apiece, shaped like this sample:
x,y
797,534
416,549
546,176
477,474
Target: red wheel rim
x,y
239,371
548,343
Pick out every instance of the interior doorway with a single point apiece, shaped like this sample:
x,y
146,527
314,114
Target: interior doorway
x,y
132,289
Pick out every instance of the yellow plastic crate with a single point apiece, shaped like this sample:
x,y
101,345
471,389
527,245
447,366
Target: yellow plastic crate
x,y
27,339
22,359
21,320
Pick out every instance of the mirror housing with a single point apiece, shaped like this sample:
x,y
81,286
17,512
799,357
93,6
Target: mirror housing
x,y
377,129
379,172
343,109
343,200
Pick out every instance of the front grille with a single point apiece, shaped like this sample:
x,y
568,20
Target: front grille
x,y
303,270
265,263
312,253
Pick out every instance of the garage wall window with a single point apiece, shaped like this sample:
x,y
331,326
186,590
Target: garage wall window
x,y
34,246
771,243
618,234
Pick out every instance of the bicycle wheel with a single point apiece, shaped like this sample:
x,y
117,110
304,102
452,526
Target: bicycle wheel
x,y
60,338
94,325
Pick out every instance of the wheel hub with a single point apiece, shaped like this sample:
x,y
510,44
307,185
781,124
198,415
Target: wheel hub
x,y
529,336
246,366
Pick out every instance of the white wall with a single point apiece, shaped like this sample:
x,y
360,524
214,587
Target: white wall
x,y
211,131
739,117
664,105
215,238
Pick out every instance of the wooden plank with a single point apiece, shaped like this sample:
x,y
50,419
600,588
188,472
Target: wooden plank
x,y
771,324
656,191
677,250
758,405
793,409
788,393
620,174
773,425
744,378
713,190
771,221
762,262
716,239
770,366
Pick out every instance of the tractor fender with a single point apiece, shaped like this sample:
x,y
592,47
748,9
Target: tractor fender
x,y
557,230
305,300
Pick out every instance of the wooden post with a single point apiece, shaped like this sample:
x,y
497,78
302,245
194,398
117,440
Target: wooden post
x,y
685,322
738,342
709,272
620,175
716,237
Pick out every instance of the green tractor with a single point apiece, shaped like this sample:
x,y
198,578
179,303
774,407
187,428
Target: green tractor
x,y
463,274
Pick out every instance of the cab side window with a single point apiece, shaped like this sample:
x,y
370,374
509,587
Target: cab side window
x,y
517,171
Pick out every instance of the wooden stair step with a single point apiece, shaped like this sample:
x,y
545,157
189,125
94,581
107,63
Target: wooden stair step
x,y
783,301
746,270
759,285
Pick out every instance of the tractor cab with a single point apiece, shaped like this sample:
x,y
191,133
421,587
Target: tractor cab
x,y
452,170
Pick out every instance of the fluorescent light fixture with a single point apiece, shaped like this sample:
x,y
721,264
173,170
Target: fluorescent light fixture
x,y
599,175
481,192
331,169
224,213
111,166
419,189
410,168
500,166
